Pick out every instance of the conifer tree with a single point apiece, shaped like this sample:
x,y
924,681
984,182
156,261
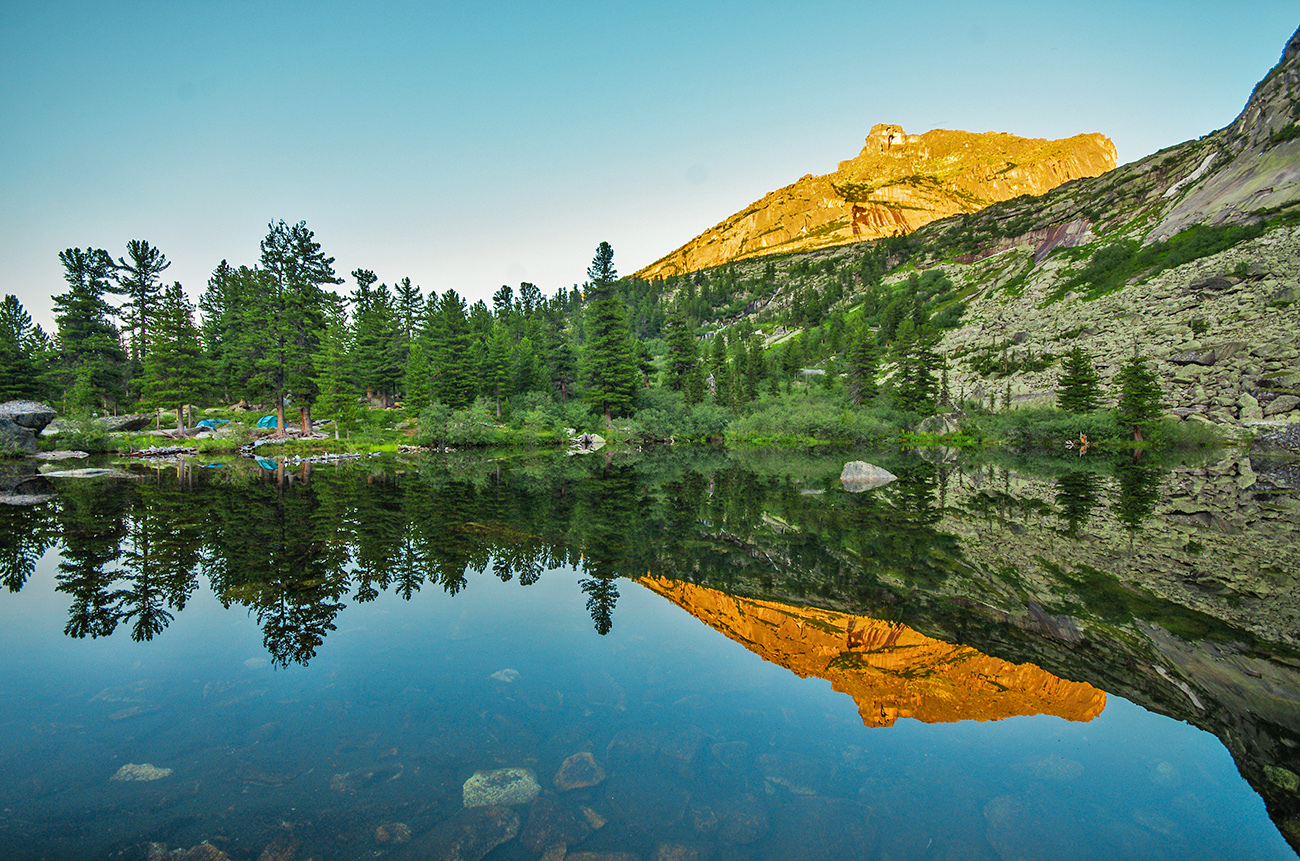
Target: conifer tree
x,y
335,383
453,374
863,365
608,358
1140,402
682,352
915,386
296,270
175,370
1078,389
18,372
138,280
92,361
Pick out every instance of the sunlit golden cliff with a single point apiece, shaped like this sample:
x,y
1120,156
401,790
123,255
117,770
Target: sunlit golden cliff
x,y
898,183
889,670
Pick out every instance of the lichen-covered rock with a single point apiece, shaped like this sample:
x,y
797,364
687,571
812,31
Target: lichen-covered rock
x,y
502,786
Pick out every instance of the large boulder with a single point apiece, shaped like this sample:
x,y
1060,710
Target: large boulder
x,y
20,423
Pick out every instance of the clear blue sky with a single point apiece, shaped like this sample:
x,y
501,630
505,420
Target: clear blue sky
x,y
473,145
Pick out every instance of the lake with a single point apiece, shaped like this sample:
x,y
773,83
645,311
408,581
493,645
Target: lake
x,y
681,654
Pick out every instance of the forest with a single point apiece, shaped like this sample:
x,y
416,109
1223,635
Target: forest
x,y
801,350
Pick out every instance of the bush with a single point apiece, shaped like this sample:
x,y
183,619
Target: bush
x,y
86,434
1048,428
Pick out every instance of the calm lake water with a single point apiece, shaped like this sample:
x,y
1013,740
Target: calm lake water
x,y
681,655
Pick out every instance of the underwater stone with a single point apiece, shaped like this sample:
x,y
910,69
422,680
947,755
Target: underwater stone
x,y
503,786
143,771
578,771
467,836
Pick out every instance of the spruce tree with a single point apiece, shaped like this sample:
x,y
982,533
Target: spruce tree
x,y
1140,403
92,361
296,271
175,369
1078,388
608,358
863,365
18,379
138,280
451,359
682,353
915,387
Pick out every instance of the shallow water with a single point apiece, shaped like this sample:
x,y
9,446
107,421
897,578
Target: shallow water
x,y
324,705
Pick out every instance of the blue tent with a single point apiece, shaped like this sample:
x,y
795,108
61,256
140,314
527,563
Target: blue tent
x,y
264,463
213,423
267,421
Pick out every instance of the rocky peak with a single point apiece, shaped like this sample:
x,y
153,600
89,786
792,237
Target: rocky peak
x,y
897,183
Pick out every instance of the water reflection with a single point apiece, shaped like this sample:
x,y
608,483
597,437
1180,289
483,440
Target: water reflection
x,y
1171,587
890,670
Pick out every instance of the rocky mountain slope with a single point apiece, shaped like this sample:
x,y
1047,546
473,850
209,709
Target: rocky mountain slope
x,y
897,183
1191,256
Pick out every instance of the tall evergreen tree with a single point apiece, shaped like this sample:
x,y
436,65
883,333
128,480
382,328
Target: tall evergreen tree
x,y
453,374
175,369
138,280
1140,402
915,386
682,351
1078,388
335,384
92,361
296,271
864,364
18,372
608,356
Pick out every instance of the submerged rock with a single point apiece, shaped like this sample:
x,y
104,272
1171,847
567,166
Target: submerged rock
x,y
140,772
554,822
858,475
503,786
578,771
468,836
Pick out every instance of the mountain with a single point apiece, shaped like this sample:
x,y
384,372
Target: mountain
x,y
897,183
1190,256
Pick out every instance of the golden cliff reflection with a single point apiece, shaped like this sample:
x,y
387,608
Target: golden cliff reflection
x,y
890,670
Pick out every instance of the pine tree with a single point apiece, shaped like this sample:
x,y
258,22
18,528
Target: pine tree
x,y
1078,388
175,370
18,374
608,357
1140,403
138,280
336,387
453,374
915,386
682,353
92,361
296,270
864,364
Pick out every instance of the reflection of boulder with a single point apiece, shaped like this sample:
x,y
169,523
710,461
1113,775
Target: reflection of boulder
x,y
21,484
20,423
858,475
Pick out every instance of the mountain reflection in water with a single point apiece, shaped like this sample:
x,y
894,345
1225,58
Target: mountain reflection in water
x,y
890,670
1172,588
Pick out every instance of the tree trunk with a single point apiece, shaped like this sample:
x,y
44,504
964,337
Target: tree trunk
x,y
304,418
279,413
180,419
